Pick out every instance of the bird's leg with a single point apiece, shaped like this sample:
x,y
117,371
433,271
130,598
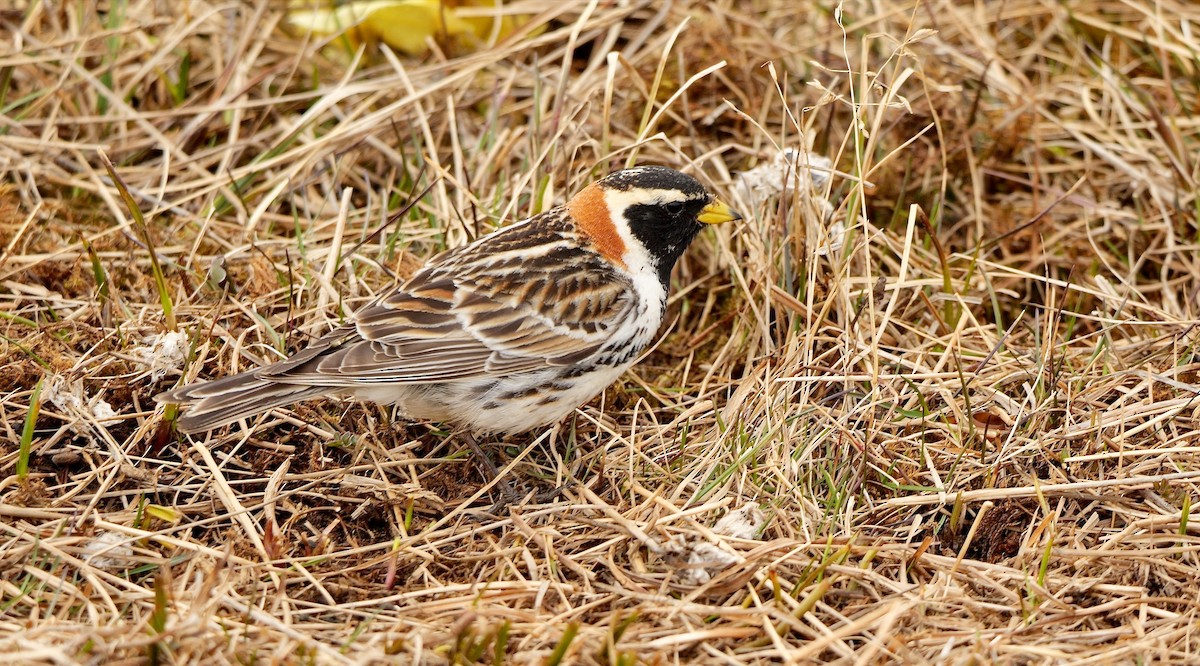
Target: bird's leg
x,y
467,437
554,493
507,493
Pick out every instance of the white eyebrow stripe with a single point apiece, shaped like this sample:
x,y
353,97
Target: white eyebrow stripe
x,y
619,200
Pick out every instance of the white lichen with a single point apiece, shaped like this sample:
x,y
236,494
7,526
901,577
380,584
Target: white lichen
x,y
64,394
68,397
743,523
102,410
793,170
108,550
699,561
162,353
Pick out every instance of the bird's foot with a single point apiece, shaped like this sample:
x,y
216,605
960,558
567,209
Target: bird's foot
x,y
508,494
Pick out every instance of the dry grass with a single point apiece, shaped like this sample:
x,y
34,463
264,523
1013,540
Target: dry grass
x,y
972,429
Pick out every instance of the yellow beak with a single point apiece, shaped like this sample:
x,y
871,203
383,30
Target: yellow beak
x,y
717,212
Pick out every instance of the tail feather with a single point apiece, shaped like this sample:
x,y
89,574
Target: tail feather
x,y
223,401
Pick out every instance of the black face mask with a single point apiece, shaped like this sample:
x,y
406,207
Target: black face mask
x,y
666,230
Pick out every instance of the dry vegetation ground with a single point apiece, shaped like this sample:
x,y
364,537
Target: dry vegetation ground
x,y
971,429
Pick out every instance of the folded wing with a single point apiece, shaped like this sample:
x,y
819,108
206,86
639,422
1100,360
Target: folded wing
x,y
470,317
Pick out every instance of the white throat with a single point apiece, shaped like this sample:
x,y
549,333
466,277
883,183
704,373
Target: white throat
x,y
640,265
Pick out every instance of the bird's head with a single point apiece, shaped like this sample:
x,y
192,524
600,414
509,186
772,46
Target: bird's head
x,y
645,217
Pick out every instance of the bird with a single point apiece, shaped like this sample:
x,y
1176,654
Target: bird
x,y
506,334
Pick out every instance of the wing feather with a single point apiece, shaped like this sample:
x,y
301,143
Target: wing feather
x,y
545,301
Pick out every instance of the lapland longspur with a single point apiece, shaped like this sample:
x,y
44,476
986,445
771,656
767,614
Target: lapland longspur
x,y
505,334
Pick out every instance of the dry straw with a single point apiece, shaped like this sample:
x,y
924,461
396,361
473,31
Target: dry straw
x,y
969,422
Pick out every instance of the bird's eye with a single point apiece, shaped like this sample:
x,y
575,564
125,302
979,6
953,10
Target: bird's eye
x,y
674,208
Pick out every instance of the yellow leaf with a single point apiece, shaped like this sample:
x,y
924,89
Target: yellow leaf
x,y
163,513
408,25
331,21
487,27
